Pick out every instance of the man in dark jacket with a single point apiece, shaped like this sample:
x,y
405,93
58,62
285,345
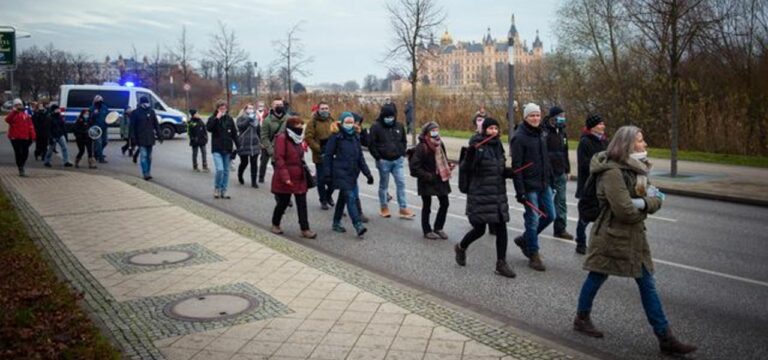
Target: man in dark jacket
x,y
223,142
42,123
532,180
557,147
99,111
58,135
198,139
144,129
387,146
593,141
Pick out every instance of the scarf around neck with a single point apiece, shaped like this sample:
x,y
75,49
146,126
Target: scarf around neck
x,y
443,169
297,138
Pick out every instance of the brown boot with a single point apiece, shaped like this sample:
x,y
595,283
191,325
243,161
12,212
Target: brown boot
x,y
535,263
308,234
385,212
407,214
583,324
503,269
669,345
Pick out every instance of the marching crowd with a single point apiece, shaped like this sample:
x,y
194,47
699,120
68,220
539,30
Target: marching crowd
x,y
613,185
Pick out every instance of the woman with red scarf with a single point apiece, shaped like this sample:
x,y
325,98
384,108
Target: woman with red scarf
x,y
429,164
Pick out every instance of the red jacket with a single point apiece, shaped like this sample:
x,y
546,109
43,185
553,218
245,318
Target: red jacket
x,y
20,126
288,166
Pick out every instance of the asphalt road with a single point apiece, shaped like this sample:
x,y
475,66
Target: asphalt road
x,y
710,258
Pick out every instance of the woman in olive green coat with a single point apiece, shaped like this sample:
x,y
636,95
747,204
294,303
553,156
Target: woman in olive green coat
x,y
618,245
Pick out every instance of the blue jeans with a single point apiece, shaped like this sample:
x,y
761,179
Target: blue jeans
x,y
348,198
648,295
534,224
581,233
221,162
397,169
145,156
62,141
561,207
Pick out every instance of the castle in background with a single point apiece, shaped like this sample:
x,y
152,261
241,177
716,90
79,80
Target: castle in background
x,y
466,65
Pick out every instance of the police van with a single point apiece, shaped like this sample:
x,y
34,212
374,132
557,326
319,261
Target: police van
x,y
74,98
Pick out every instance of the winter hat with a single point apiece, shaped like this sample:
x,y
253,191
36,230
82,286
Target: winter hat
x,y
192,112
53,107
143,100
345,115
529,109
98,98
17,101
490,122
429,127
554,111
593,120
387,110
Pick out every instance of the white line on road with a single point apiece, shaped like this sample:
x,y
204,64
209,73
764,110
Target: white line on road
x,y
660,261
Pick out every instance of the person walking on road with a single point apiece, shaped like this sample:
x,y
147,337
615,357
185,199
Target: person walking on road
x,y
387,145
270,127
99,111
223,142
84,142
618,244
21,132
319,130
42,123
144,129
57,135
557,149
290,177
125,132
429,165
593,141
532,181
249,128
343,161
198,139
487,196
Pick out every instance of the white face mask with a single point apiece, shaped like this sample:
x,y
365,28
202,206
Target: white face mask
x,y
639,155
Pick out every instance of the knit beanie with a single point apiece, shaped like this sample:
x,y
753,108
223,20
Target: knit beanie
x,y
387,110
554,111
529,109
593,120
345,115
490,122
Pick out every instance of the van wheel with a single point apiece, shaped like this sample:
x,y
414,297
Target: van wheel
x,y
167,131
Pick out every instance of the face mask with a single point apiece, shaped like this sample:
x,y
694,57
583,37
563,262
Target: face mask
x,y
279,110
389,120
325,114
86,116
434,133
145,105
560,121
639,155
348,128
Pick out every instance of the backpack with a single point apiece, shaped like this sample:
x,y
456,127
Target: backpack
x,y
589,205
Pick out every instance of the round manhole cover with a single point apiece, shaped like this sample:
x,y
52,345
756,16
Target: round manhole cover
x,y
210,307
160,257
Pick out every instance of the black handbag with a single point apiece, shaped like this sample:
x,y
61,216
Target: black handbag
x,y
311,180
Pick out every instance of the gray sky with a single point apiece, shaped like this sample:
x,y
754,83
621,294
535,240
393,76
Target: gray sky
x,y
347,38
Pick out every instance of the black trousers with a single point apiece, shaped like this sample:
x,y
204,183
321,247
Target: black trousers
x,y
41,146
84,145
426,210
21,151
282,204
263,164
203,156
478,229
244,160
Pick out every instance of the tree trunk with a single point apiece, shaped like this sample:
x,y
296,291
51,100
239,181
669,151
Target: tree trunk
x,y
413,113
226,85
675,124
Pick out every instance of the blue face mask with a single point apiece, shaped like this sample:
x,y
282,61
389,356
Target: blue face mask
x,y
389,120
325,114
434,133
560,121
349,128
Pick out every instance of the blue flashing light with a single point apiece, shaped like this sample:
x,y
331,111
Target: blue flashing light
x,y
129,83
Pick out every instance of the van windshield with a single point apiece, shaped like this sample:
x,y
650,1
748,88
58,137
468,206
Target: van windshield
x,y
80,98
153,100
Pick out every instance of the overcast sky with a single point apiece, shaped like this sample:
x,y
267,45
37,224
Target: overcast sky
x,y
347,38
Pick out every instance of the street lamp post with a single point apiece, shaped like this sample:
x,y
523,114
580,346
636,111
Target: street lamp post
x,y
511,87
10,77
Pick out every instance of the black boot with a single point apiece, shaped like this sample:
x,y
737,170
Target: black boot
x,y
461,255
503,269
583,324
521,243
669,345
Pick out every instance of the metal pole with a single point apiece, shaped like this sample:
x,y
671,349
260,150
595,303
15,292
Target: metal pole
x,y
11,78
511,89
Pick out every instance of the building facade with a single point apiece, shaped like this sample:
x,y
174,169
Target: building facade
x,y
461,65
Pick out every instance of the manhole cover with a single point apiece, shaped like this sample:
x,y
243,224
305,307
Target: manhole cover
x,y
160,257
210,307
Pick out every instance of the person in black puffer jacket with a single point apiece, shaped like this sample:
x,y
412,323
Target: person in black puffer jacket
x,y
593,141
557,148
487,197
198,139
533,176
223,142
84,142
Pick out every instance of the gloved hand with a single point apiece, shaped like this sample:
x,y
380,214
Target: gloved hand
x,y
521,198
370,179
639,203
655,192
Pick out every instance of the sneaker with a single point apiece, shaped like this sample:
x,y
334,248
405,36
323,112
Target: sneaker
x,y
276,230
324,206
47,165
330,202
581,249
441,234
338,228
261,180
147,178
535,263
308,234
431,236
520,242
385,212
564,235
206,169
503,269
69,164
22,173
195,169
461,255
407,214
255,185
216,194
225,196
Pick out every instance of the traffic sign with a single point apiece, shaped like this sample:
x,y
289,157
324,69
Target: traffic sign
x,y
187,87
7,47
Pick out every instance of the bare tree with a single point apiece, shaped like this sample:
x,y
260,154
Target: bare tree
x,y
83,67
226,52
413,22
182,55
291,56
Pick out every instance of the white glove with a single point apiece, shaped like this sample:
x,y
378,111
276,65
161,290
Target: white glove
x,y
655,192
639,203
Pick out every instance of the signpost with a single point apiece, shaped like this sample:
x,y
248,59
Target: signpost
x,y
8,52
187,87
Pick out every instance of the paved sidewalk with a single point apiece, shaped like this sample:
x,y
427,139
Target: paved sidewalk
x,y
741,184
170,278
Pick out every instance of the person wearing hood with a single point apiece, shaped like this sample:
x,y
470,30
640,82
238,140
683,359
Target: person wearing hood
x,y
125,132
593,141
42,123
557,149
387,145
343,163
99,111
487,203
21,132
84,142
532,180
198,139
429,165
289,177
58,135
249,128
270,127
223,142
144,129
618,245
319,130
477,120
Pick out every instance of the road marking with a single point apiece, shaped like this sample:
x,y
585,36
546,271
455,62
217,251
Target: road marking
x,y
660,261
